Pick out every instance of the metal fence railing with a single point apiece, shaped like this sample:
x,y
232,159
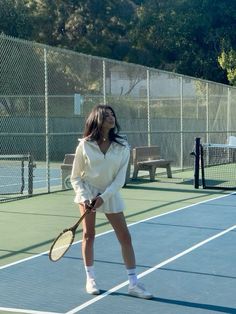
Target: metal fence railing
x,y
46,93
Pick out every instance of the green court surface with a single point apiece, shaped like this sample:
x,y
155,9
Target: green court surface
x,y
29,226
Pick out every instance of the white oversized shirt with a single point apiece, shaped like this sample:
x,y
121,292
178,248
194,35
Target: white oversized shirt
x,y
94,169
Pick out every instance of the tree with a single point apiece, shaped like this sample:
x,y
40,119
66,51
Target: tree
x,y
227,61
15,19
89,26
184,36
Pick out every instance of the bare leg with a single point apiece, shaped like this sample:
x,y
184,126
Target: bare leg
x,y
87,250
120,227
88,237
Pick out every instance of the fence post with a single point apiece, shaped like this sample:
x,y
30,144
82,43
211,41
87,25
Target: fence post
x,y
181,123
46,118
148,108
207,112
104,81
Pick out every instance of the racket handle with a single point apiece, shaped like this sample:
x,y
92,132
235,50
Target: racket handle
x,y
93,202
87,211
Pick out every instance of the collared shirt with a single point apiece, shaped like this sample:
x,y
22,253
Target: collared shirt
x,y
106,172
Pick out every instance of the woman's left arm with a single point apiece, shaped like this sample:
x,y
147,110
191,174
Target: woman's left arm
x,y
120,178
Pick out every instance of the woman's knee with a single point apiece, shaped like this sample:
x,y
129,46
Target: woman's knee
x,y
88,237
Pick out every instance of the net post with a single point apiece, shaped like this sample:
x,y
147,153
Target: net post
x,y
30,174
22,176
196,166
202,167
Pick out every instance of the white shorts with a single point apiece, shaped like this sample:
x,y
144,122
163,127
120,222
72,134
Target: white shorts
x,y
114,204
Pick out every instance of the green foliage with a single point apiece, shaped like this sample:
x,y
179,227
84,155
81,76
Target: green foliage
x,y
227,61
15,18
184,36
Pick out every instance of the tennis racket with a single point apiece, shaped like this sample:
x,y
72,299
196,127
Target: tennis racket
x,y
65,239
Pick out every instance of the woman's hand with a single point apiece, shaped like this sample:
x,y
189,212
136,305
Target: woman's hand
x,y
86,204
98,202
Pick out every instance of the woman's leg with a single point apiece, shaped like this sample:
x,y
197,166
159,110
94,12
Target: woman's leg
x,y
88,225
120,227
122,232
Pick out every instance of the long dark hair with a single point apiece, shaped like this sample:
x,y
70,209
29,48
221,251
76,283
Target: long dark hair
x,y
93,125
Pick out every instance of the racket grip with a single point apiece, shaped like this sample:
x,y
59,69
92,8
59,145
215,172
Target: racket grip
x,y
93,202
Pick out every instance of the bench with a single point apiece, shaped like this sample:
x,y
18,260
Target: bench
x,y
66,168
147,158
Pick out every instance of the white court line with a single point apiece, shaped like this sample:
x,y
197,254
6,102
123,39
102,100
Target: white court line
x,y
194,247
134,223
9,309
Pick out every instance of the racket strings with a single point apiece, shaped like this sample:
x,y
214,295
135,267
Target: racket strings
x,y
64,241
61,245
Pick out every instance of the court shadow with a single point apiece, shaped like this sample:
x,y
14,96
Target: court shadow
x,y
140,186
209,307
196,273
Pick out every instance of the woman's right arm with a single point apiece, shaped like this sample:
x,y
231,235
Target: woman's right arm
x,y
78,168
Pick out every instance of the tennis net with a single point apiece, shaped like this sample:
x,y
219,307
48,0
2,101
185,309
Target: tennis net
x,y
217,163
16,173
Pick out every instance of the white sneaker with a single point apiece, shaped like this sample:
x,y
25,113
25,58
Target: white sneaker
x,y
140,292
91,287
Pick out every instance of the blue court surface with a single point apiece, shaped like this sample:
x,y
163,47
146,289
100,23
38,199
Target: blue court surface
x,y
11,181
186,258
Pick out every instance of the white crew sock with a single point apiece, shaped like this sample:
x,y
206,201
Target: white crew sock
x,y
132,277
89,272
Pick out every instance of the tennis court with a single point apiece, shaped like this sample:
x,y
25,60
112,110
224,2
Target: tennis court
x,y
15,177
184,241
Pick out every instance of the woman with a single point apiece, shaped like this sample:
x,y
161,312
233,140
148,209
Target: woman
x,y
98,173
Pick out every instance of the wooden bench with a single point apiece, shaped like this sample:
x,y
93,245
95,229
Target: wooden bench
x,y
147,158
66,168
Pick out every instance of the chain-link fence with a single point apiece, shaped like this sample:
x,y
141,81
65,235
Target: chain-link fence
x,y
46,94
